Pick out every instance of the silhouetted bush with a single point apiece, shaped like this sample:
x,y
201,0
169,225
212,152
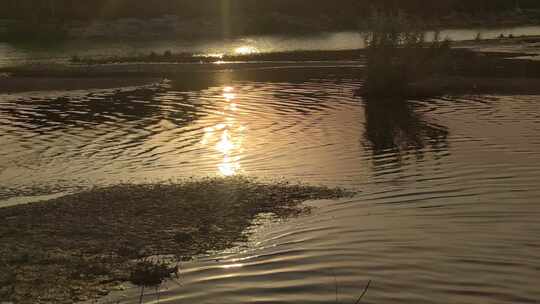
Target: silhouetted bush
x,y
147,273
398,53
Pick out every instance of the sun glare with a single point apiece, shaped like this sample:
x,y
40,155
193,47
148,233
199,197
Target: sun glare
x,y
246,50
227,137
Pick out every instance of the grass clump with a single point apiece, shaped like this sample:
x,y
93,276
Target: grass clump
x,y
398,53
147,273
81,246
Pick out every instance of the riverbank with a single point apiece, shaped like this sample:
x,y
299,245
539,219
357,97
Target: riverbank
x,y
504,47
84,245
506,65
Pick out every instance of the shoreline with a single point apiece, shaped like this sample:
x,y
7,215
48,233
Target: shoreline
x,y
502,65
82,246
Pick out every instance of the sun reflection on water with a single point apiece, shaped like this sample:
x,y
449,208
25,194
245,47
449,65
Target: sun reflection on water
x,y
229,266
229,96
228,136
225,145
230,166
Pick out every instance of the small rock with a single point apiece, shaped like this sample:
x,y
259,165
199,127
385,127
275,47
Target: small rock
x,y
183,237
120,287
81,298
102,292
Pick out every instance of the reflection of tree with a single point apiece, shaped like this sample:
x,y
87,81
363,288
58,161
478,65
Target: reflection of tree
x,y
393,126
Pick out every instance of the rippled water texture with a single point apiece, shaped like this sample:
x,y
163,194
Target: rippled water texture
x,y
448,210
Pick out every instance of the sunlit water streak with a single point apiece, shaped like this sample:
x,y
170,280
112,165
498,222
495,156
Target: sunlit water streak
x,y
448,209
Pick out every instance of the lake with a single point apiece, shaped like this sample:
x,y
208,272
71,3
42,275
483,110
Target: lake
x,y
14,54
448,202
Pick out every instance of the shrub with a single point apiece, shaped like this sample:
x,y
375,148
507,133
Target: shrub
x,y
148,273
397,53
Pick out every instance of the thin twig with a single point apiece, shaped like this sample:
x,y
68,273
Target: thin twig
x,y
142,294
178,274
336,285
363,293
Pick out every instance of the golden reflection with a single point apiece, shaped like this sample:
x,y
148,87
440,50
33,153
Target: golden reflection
x,y
227,136
225,145
237,265
230,166
229,96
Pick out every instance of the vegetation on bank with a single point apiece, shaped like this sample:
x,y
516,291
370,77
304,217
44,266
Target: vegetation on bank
x,y
382,42
84,245
398,53
399,60
463,70
171,57
431,68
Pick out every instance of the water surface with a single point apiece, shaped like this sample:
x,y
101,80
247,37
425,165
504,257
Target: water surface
x,y
449,203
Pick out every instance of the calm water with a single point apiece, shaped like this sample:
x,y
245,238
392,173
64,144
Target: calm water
x,y
11,54
449,205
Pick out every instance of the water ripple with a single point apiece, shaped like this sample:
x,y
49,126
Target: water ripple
x,y
447,209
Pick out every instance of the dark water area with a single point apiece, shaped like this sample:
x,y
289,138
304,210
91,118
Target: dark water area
x,y
448,202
